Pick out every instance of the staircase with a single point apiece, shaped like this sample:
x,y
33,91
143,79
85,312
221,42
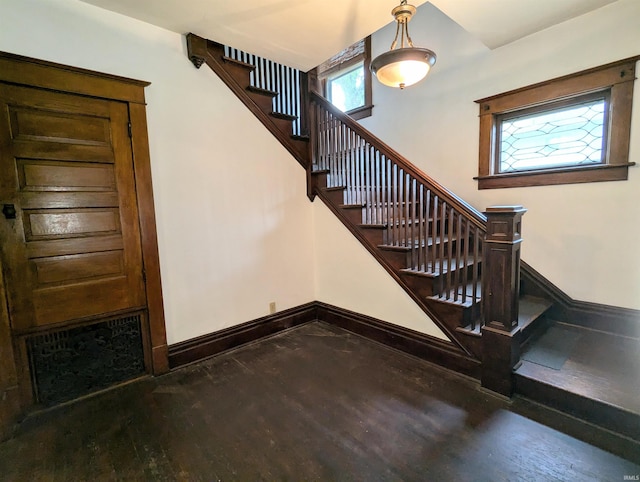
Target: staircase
x,y
437,247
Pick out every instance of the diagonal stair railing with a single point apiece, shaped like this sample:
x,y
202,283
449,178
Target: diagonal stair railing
x,y
441,234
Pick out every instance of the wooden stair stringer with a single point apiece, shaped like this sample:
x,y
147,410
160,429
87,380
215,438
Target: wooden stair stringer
x,y
213,57
458,340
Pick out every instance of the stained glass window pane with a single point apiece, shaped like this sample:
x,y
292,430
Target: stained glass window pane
x,y
567,136
346,89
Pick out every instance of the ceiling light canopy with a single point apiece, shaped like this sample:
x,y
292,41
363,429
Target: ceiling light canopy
x,y
403,66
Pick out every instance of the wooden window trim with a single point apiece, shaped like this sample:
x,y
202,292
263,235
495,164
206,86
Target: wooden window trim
x,y
367,109
617,78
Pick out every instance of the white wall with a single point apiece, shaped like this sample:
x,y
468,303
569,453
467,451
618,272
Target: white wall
x,y
582,237
234,224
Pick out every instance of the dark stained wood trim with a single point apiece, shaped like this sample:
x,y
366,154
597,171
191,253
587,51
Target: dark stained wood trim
x,y
599,413
475,216
205,346
195,42
607,78
17,69
426,347
148,237
616,78
10,405
611,319
599,173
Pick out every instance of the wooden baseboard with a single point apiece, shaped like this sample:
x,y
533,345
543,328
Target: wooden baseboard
x,y
205,346
612,319
423,346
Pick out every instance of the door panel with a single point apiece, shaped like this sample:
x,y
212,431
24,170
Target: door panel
x,y
73,250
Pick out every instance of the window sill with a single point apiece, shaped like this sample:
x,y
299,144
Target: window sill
x,y
569,175
360,112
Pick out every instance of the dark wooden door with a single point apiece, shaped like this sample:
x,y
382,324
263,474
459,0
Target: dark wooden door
x,y
73,249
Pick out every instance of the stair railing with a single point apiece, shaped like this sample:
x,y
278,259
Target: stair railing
x,y
442,234
286,83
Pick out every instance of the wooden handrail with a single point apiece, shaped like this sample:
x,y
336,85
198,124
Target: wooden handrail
x,y
475,216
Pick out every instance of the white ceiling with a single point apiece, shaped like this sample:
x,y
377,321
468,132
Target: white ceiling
x,y
304,33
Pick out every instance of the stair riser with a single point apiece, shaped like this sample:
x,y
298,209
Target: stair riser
x,y
335,197
240,74
284,125
265,102
398,259
421,285
353,215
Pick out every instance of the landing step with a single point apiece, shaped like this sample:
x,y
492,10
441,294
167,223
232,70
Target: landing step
x,y
238,63
265,92
530,308
590,374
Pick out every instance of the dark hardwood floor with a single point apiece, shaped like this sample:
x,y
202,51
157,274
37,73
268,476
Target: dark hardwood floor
x,y
311,403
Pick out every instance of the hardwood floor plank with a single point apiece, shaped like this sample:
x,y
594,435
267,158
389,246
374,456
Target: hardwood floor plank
x,y
316,403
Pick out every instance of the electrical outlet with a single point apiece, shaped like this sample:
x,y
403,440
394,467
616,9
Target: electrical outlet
x,y
272,307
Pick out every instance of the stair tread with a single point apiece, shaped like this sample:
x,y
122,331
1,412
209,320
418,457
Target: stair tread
x,y
440,264
601,369
418,243
281,115
261,91
298,137
335,188
351,206
320,171
239,63
531,308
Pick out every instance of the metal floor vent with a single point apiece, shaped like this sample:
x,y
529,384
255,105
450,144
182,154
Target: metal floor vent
x,y
70,363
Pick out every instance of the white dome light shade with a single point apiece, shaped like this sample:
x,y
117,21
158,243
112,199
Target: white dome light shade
x,y
403,67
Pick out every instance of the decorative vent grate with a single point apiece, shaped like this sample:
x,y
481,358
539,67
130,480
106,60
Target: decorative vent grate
x,y
71,363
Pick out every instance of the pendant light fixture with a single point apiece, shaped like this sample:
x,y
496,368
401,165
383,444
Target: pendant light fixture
x,y
405,65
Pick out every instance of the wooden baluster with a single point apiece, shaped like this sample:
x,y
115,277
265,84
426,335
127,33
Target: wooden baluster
x,y
383,186
394,205
295,100
415,224
460,274
435,268
465,257
442,230
388,212
427,229
451,260
369,180
405,210
476,271
349,190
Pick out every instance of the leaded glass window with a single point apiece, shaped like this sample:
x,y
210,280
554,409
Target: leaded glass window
x,y
568,133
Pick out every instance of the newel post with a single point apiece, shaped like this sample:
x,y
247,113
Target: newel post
x,y
310,122
500,292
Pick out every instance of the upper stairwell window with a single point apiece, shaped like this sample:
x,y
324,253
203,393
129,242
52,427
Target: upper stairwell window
x,y
345,89
567,130
346,79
